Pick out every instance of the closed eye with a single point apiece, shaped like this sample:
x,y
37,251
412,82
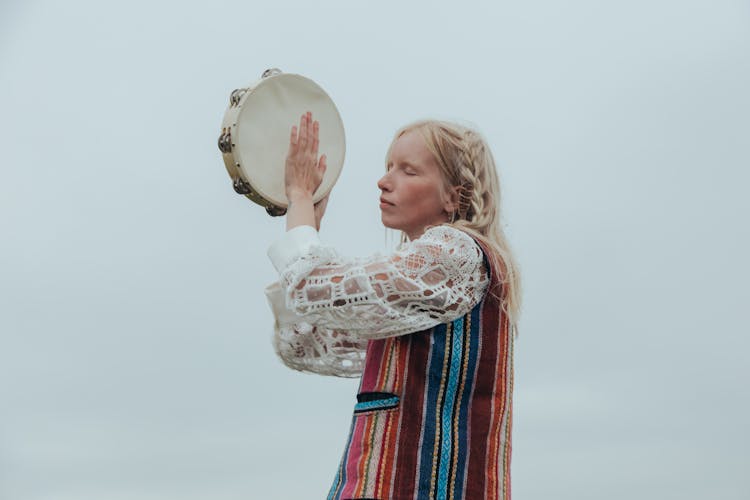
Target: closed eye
x,y
407,169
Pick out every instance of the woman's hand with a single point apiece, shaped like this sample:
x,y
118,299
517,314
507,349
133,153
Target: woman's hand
x,y
304,170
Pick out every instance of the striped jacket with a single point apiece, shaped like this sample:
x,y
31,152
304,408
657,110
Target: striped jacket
x,y
433,413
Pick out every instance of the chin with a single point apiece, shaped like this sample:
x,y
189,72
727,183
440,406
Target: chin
x,y
388,224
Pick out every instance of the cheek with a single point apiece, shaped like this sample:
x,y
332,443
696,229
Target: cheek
x,y
426,197
419,190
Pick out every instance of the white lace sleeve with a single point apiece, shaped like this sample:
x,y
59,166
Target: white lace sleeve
x,y
431,280
310,348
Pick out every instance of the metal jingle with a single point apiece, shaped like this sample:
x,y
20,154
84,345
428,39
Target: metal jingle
x,y
235,96
274,211
241,187
270,72
221,142
225,142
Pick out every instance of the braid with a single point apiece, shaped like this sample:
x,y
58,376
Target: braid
x,y
471,202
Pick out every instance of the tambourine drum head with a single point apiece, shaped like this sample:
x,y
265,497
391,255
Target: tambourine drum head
x,y
264,126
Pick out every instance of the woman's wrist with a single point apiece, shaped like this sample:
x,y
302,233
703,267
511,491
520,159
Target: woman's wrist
x,y
298,195
300,211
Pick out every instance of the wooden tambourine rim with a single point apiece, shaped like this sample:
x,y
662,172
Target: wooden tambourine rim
x,y
233,161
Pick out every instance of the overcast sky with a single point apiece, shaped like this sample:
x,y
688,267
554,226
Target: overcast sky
x,y
135,355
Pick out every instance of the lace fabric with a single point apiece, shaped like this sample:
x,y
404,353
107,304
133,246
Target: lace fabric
x,y
327,307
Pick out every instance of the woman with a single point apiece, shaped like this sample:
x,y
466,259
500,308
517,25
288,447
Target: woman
x,y
427,328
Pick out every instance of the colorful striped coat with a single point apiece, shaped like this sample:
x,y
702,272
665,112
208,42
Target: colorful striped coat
x,y
433,413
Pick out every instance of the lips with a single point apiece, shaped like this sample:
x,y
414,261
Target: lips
x,y
383,200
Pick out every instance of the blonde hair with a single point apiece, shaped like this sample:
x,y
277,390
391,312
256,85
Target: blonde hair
x,y
466,163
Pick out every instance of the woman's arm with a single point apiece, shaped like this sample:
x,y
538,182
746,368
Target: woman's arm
x,y
433,279
326,308
310,348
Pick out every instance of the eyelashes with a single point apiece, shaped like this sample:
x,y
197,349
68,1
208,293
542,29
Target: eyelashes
x,y
407,170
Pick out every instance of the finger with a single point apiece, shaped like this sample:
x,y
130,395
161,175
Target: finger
x,y
303,132
293,140
310,132
316,138
320,206
322,202
309,129
322,165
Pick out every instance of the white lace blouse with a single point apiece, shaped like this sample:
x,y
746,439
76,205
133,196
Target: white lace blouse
x,y
327,307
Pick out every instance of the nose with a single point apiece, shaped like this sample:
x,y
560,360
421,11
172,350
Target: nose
x,y
384,184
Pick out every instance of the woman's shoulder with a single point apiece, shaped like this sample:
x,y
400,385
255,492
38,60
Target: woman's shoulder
x,y
453,244
449,235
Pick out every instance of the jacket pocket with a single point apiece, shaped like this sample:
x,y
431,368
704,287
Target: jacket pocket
x,y
372,401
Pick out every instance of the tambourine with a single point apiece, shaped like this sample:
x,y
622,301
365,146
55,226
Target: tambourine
x,y
254,138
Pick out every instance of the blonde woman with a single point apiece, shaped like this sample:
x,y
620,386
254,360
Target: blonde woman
x,y
428,329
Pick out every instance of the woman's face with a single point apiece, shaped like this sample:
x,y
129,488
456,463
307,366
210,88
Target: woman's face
x,y
412,189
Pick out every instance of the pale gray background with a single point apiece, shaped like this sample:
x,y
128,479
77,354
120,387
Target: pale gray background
x,y
135,360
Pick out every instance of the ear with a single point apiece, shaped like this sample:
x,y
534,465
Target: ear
x,y
452,197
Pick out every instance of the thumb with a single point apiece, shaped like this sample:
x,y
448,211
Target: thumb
x,y
323,201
